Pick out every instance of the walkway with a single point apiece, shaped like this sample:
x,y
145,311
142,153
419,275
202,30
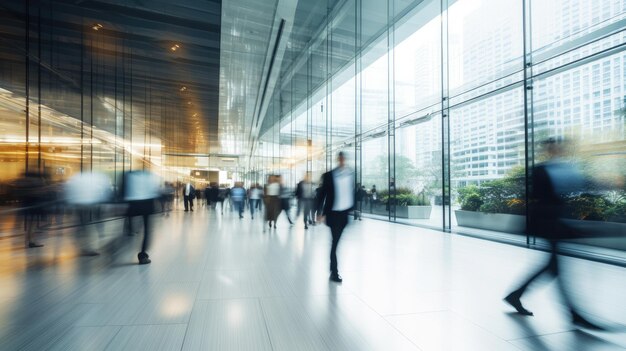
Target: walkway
x,y
220,283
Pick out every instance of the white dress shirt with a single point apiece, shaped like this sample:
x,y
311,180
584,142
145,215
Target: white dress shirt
x,y
344,191
187,189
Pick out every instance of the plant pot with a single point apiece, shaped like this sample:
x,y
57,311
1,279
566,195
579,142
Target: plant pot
x,y
500,222
402,212
419,212
601,234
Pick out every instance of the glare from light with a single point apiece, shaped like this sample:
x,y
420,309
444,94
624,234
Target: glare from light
x,y
175,47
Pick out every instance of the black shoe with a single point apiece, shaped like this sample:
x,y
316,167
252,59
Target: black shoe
x,y
513,299
186,210
581,322
32,245
144,260
335,277
306,227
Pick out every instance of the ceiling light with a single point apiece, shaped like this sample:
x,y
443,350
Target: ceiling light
x,y
175,47
183,88
195,114
96,26
188,102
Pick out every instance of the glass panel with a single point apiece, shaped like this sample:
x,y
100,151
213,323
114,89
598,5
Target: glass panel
x,y
374,82
418,61
418,172
343,107
375,176
487,165
374,19
343,36
558,22
585,107
485,42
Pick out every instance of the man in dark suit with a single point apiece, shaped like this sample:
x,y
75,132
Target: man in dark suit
x,y
335,199
189,193
550,182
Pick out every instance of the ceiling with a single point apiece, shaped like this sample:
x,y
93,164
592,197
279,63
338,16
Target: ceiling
x,y
214,88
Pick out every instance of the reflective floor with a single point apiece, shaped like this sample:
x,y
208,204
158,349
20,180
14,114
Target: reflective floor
x,y
220,283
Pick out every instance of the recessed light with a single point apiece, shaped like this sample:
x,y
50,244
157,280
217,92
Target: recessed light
x,y
175,47
96,26
183,88
188,102
195,114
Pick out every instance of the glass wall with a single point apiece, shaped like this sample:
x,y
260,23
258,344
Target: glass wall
x,y
73,99
445,108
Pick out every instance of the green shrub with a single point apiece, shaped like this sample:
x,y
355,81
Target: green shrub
x,y
405,197
472,202
587,207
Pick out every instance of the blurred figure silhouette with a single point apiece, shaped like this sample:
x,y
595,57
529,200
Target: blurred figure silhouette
x,y
207,196
30,190
85,192
272,200
285,200
189,193
167,198
306,199
360,195
141,189
550,181
238,196
214,194
336,199
254,198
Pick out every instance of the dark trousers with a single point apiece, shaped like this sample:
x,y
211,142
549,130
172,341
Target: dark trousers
x,y
306,205
143,208
188,202
552,268
253,203
238,205
337,221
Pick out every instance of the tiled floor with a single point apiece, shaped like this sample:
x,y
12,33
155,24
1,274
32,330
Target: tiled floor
x,y
220,283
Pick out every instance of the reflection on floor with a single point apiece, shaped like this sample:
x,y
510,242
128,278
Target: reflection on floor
x,y
220,283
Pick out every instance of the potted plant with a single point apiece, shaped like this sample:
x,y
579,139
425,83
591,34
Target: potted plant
x,y
494,205
419,206
407,204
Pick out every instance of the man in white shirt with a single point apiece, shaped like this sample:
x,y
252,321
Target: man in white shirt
x,y
335,200
189,193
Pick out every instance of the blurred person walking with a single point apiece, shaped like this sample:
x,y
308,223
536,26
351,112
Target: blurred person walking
x,y
272,200
85,192
141,189
335,200
30,190
189,193
238,196
360,195
550,182
306,199
285,200
214,194
254,197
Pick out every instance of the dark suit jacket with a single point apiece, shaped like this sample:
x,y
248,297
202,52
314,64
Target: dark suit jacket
x,y
326,195
546,206
192,191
